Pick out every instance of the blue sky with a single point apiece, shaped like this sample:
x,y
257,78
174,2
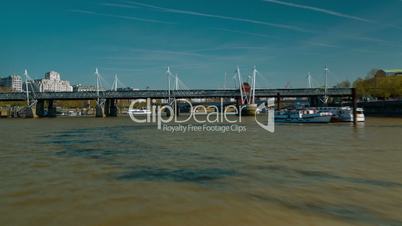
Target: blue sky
x,y
200,39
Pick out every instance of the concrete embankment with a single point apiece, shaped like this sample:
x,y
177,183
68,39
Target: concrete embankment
x,y
388,108
17,112
4,113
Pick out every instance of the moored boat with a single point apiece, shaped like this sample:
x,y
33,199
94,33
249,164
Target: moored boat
x,y
303,116
139,111
360,115
343,114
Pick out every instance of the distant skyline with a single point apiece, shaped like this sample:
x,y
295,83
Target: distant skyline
x,y
201,40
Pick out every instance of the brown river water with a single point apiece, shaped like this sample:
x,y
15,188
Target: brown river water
x,y
88,171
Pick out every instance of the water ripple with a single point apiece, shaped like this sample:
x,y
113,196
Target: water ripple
x,y
177,175
320,175
350,213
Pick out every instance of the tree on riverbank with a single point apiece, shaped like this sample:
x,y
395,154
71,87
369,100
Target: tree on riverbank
x,y
379,85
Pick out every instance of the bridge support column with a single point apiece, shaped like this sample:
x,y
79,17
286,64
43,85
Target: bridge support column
x,y
51,109
167,113
278,101
314,101
111,108
238,106
40,108
176,108
106,109
100,110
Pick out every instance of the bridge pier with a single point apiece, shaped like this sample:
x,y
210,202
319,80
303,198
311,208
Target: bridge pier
x,y
111,109
40,108
51,109
106,109
176,108
100,110
314,101
278,101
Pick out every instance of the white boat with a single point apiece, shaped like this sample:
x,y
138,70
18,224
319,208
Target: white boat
x,y
303,116
360,115
343,114
73,113
139,111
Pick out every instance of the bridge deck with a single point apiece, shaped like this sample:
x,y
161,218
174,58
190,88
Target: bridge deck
x,y
163,94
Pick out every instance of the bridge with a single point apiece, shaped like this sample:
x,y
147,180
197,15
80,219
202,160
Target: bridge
x,y
164,94
106,100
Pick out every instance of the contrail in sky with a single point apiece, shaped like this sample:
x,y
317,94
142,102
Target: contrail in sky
x,y
200,14
321,10
119,16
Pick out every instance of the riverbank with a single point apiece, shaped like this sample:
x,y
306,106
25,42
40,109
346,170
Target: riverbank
x,y
383,108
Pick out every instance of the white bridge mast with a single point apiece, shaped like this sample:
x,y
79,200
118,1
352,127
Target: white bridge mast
x,y
252,101
240,84
114,86
177,82
169,74
97,83
26,85
325,101
309,80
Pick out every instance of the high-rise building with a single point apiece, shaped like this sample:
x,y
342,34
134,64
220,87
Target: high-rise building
x,y
52,75
52,83
12,82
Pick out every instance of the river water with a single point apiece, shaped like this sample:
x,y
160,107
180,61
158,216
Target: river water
x,y
88,171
